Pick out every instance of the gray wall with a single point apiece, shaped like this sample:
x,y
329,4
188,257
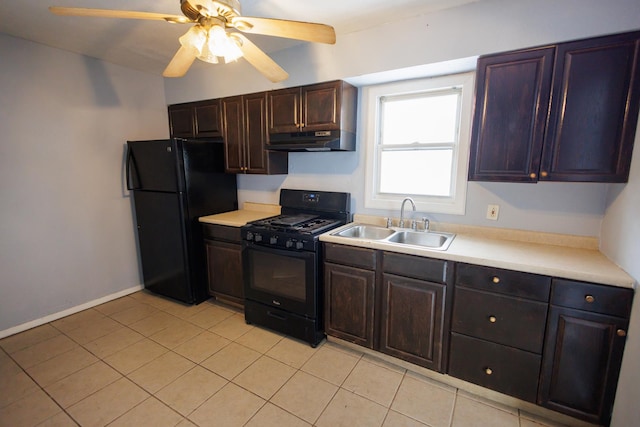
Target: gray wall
x,y
66,225
620,241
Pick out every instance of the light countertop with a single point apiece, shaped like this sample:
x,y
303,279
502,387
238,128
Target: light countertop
x,y
567,257
249,212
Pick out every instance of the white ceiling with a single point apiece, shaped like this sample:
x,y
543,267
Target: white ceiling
x,y
149,45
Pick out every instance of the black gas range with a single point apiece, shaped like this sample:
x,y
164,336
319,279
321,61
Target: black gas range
x,y
282,262
294,231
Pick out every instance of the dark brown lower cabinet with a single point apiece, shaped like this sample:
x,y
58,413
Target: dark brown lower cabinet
x,y
495,366
582,357
349,303
412,320
224,263
551,341
349,293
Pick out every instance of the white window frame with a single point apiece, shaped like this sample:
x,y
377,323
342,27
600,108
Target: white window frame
x,y
371,96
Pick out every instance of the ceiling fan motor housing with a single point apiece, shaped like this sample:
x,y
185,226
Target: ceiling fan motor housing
x,y
197,9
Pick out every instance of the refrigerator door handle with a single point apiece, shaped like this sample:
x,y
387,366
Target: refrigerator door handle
x,y
131,162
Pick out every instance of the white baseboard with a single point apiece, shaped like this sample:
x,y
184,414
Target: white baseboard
x,y
55,316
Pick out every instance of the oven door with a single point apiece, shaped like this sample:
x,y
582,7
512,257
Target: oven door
x,y
281,278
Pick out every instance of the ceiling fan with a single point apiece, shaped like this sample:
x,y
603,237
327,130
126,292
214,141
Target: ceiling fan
x,y
209,39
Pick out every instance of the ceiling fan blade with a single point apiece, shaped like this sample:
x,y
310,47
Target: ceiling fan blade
x,y
180,63
307,31
259,59
108,13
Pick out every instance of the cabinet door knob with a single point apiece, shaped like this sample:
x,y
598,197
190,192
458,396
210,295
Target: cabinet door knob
x,y
492,319
589,298
488,371
544,174
495,279
621,333
532,175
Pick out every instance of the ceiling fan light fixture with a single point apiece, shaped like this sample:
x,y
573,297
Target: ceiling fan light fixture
x,y
220,44
207,55
209,40
194,39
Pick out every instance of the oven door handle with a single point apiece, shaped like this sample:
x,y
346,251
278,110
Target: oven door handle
x,y
292,253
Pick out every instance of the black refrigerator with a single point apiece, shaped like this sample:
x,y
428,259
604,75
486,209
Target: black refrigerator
x,y
173,183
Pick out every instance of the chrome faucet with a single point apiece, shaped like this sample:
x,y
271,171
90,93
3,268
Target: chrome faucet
x,y
413,205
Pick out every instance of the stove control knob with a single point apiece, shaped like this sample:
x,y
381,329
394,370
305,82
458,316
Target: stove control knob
x,y
257,238
288,243
299,245
249,235
273,240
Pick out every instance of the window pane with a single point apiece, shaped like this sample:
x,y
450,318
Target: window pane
x,y
427,118
419,172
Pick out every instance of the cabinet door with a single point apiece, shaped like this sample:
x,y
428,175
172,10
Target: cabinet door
x,y
515,322
581,363
284,110
594,110
233,134
349,303
321,105
412,320
498,367
181,121
224,263
255,132
208,120
512,97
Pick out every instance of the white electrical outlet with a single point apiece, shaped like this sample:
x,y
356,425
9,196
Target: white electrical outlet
x,y
492,212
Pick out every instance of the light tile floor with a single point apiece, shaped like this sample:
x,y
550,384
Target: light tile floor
x,y
143,360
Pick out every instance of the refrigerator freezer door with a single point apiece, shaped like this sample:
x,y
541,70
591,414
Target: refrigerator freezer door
x,y
162,244
154,166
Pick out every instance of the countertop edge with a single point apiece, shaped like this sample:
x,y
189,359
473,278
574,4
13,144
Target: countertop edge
x,y
240,217
582,264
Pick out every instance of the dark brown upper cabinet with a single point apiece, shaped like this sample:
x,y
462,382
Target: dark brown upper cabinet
x,y
181,121
566,112
245,136
512,92
322,106
200,119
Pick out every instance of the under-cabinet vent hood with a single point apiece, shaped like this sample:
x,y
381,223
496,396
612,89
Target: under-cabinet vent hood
x,y
333,140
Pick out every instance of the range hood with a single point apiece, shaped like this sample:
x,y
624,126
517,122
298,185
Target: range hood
x,y
330,140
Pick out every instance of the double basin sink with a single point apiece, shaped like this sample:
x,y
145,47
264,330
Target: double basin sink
x,y
434,240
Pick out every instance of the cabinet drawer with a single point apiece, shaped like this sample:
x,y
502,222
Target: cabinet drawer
x,y
222,232
433,270
505,320
592,297
508,282
349,255
500,368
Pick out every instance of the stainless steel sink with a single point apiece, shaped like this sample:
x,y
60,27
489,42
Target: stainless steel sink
x,y
429,239
369,232
426,239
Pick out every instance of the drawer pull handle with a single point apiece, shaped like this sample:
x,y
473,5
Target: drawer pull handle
x,y
492,319
488,371
589,298
495,279
621,333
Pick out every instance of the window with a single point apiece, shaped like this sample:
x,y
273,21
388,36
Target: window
x,y
417,143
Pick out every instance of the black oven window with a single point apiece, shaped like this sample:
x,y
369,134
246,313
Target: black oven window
x,y
279,275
